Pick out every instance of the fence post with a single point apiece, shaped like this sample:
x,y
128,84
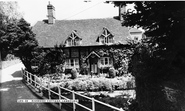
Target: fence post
x,y
59,92
49,92
93,104
35,82
27,77
74,106
24,75
30,78
22,70
40,86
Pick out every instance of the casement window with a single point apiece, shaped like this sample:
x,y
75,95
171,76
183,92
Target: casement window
x,y
72,63
73,40
106,37
105,62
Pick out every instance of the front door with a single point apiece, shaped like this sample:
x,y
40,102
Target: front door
x,y
94,68
94,64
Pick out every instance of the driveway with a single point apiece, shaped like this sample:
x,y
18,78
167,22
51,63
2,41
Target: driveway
x,y
12,88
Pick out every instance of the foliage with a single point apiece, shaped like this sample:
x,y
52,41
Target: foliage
x,y
19,40
10,57
112,72
84,69
9,11
51,60
160,58
96,84
121,57
8,15
74,73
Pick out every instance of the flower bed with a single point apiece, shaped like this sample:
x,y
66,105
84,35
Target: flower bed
x,y
114,91
95,84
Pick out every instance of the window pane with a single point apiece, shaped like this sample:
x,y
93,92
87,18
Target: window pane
x,y
72,62
105,40
76,62
73,42
67,62
77,42
106,61
110,61
69,41
102,62
101,39
110,40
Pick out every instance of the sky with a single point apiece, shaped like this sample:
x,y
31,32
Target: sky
x,y
36,10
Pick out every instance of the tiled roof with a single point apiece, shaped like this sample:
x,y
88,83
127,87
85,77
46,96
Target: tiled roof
x,y
49,35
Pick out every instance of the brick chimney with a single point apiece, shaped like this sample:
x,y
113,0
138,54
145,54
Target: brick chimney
x,y
51,14
122,10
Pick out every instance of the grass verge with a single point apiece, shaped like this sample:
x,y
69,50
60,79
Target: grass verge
x,y
5,64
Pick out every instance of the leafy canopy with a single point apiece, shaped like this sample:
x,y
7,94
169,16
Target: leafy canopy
x,y
158,63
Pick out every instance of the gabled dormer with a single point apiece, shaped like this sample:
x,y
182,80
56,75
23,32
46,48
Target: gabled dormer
x,y
106,37
73,39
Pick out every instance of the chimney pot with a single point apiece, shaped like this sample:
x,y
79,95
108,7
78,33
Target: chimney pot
x,y
51,13
122,10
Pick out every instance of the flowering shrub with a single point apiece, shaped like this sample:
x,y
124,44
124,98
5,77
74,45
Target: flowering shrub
x,y
74,73
112,72
97,84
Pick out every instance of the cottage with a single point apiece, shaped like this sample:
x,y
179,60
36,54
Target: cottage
x,y
81,38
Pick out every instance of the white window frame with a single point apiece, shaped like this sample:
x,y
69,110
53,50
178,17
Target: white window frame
x,y
75,40
68,64
103,64
106,38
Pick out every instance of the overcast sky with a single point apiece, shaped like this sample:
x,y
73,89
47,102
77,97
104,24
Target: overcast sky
x,y
36,10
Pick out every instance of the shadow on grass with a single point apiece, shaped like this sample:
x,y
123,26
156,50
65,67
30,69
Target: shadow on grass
x,y
17,74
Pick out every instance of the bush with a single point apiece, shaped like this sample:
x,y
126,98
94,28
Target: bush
x,y
84,69
69,85
122,85
107,85
74,73
10,57
97,84
112,72
90,85
104,70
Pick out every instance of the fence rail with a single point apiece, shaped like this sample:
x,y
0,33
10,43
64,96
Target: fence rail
x,y
31,79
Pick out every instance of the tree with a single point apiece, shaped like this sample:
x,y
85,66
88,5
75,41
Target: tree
x,y
25,43
158,63
19,40
52,59
8,14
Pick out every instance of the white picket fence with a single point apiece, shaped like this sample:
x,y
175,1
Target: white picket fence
x,y
31,80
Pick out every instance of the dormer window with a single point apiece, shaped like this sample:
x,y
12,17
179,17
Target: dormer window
x,y
106,37
73,40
